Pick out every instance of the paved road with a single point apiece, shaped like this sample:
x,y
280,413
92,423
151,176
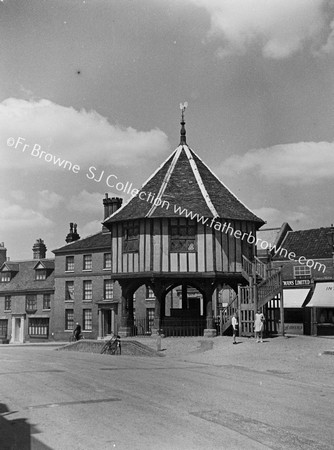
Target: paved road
x,y
64,400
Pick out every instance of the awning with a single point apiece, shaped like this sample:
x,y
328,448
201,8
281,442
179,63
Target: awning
x,y
294,298
323,296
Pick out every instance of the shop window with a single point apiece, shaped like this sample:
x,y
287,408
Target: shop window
x,y
107,261
38,327
301,271
182,235
69,319
8,303
69,290
87,323
87,290
31,302
69,265
325,315
87,262
108,289
131,236
46,301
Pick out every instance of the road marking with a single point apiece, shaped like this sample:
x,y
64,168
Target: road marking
x,y
33,371
76,402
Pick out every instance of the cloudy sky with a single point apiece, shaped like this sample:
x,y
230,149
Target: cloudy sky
x,y
98,83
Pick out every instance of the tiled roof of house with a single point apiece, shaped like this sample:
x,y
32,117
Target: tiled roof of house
x,y
98,241
312,244
24,279
273,236
46,263
183,180
10,266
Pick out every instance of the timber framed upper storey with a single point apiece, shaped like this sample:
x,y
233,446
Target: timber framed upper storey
x,y
175,224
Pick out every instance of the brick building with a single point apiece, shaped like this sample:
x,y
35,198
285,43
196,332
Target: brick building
x,y
26,296
85,290
306,259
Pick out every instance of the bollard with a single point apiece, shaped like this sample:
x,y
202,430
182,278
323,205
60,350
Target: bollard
x,y
158,343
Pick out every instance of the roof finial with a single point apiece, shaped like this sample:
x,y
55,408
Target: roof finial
x,y
183,107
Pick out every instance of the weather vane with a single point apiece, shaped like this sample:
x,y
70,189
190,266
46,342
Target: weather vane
x,y
183,107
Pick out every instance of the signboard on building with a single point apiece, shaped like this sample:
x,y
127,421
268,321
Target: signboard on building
x,y
293,328
292,283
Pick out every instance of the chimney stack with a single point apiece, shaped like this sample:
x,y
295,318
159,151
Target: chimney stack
x,y
110,206
3,253
73,234
39,249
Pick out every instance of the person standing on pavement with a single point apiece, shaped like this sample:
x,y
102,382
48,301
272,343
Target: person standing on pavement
x,y
77,332
235,327
259,326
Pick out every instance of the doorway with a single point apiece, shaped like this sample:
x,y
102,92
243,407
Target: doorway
x,y
18,329
108,325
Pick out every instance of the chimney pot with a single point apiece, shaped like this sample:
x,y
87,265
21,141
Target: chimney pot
x,y
110,206
73,234
39,249
3,253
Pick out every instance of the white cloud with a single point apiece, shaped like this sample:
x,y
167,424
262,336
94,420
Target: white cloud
x,y
88,202
300,163
280,27
15,217
48,200
81,137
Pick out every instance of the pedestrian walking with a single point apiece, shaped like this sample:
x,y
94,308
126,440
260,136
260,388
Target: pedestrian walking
x,y
235,327
259,326
77,332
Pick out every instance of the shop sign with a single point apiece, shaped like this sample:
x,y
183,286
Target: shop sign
x,y
290,283
294,328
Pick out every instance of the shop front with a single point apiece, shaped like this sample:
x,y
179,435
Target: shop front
x,y
296,317
321,306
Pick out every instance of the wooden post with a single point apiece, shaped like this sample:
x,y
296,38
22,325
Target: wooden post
x,y
157,311
184,296
221,321
282,312
239,310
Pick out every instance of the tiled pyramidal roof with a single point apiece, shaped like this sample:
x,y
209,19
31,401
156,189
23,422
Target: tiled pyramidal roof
x,y
183,180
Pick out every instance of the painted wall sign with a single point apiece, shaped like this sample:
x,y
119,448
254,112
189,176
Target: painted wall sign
x,y
288,283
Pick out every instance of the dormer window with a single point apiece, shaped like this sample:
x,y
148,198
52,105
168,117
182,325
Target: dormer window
x,y
182,236
40,274
5,277
40,271
131,236
8,272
